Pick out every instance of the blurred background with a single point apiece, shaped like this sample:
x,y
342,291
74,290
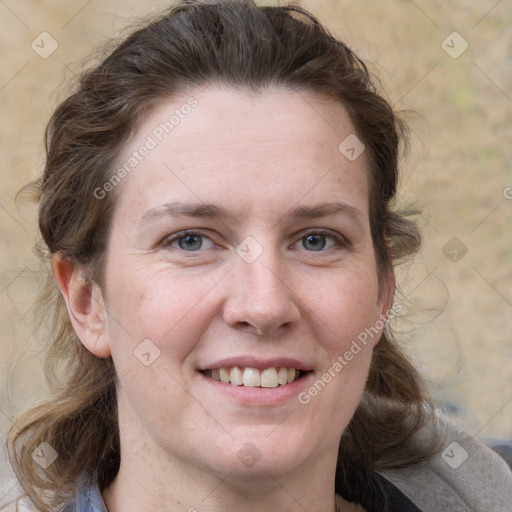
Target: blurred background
x,y
447,65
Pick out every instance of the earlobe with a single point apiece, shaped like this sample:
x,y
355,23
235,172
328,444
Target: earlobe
x,y
388,291
385,303
86,308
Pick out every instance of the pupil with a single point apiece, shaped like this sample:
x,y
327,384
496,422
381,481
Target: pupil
x,y
190,242
315,242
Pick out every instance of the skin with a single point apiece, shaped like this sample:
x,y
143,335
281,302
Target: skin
x,y
258,157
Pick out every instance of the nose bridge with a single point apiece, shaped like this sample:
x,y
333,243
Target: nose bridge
x,y
261,299
262,279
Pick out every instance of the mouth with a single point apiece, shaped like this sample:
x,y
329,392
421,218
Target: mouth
x,y
272,377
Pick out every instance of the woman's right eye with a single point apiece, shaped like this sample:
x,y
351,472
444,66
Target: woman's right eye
x,y
189,242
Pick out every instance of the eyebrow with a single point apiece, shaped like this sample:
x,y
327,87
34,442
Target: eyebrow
x,y
179,209
323,210
208,210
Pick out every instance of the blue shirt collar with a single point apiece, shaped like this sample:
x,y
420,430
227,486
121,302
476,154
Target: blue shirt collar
x,y
87,496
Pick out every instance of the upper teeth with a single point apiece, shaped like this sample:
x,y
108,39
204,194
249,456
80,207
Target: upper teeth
x,y
253,377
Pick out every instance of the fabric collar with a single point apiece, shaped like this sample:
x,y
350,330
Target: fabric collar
x,y
88,498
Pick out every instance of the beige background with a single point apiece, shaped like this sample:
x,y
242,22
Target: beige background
x,y
459,326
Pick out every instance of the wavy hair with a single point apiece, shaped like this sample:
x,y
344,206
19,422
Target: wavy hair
x,y
196,43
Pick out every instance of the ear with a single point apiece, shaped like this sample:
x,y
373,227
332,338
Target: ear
x,y
385,308
387,291
85,304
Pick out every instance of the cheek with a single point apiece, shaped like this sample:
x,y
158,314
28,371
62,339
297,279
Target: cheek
x,y
344,319
161,313
347,326
345,306
155,322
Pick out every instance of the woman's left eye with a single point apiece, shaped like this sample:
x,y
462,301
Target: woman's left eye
x,y
319,241
189,242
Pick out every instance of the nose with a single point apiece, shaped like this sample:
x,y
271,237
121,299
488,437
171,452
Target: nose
x,y
261,300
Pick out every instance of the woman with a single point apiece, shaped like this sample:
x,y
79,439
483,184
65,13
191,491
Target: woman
x,y
216,207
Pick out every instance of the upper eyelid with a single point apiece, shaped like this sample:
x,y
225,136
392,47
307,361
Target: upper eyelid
x,y
319,231
167,240
338,237
325,232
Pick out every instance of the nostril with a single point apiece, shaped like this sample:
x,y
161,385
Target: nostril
x,y
261,313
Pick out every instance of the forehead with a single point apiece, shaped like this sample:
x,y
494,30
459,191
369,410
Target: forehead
x,y
278,146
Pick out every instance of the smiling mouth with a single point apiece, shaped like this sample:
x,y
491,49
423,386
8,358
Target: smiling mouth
x,y
254,377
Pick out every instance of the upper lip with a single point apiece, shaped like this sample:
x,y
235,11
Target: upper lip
x,y
260,364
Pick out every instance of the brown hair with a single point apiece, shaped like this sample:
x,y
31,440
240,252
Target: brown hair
x,y
194,44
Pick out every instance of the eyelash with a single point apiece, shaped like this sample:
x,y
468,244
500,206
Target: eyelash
x,y
168,241
340,241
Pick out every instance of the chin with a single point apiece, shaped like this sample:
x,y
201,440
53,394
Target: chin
x,y
261,454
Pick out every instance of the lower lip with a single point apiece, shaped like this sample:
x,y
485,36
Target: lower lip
x,y
260,396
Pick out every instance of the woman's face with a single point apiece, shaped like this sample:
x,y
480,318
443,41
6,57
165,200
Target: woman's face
x,y
240,248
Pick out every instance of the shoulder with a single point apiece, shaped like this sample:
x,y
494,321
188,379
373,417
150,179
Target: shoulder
x,y
502,448
346,506
87,498
466,475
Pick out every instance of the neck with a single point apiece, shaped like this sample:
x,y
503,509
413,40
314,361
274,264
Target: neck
x,y
152,479
142,485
